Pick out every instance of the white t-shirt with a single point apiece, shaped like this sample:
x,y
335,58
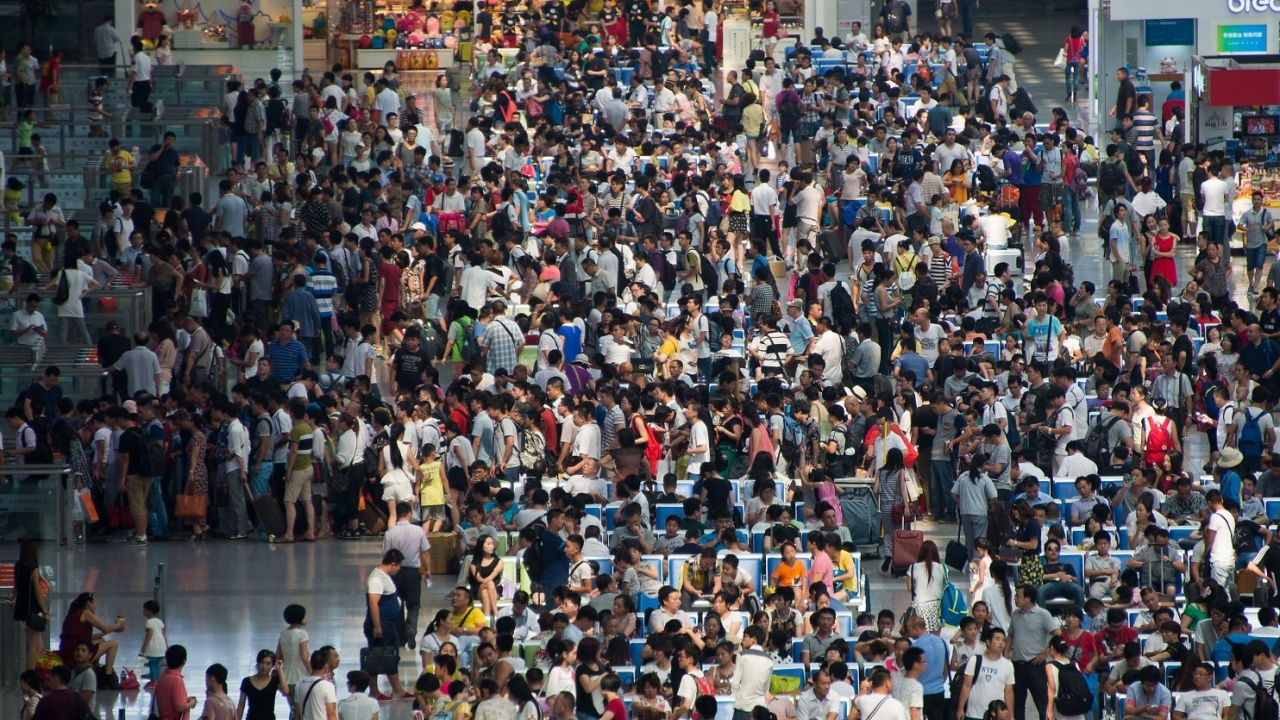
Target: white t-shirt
x,y
78,281
357,706
927,590
156,645
379,583
1222,552
992,678
890,708
1214,191
698,437
142,67
23,320
1203,704
475,141
317,704
476,283
688,686
928,340
281,424
710,21
586,442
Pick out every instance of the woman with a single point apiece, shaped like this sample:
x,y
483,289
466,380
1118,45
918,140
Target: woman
x,y
197,482
79,625
258,691
739,211
728,433
888,489
217,705
485,572
755,127
163,344
349,472
381,624
1162,253
722,674
398,471
30,600
635,419
1027,539
587,676
972,490
1142,517
1072,48
926,580
439,633
999,595
885,313
32,687
526,702
366,284
1146,244
957,182
1058,659
218,287
165,280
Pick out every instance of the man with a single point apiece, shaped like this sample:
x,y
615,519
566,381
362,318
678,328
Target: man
x,y
71,327
1205,702
84,681
412,542
234,467
1149,699
60,702
1218,535
906,687
879,701
136,466
1125,95
751,675
172,702
816,702
288,355
1260,675
1217,194
140,365
1060,581
815,644
300,472
198,360
988,676
502,340
1030,629
316,697
933,676
701,579
669,608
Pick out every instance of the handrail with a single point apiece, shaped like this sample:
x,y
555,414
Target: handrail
x,y
63,492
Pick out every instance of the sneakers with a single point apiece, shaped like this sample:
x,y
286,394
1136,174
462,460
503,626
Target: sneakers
x,y
382,698
137,540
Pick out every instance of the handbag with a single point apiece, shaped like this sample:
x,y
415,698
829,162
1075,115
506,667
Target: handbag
x,y
1060,61
1011,555
911,490
199,303
380,660
35,620
191,506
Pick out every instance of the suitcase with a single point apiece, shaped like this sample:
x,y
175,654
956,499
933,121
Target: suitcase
x,y
269,515
831,246
906,548
446,550
371,516
1021,103
1011,256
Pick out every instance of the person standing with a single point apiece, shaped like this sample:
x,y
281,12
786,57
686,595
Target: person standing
x,y
315,696
1030,629
106,41
172,701
163,160
1216,193
411,541
1125,95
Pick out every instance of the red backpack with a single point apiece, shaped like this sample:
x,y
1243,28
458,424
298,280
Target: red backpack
x,y
1159,439
705,685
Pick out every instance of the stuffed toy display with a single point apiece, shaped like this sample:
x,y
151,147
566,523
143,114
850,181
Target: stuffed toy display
x,y
152,24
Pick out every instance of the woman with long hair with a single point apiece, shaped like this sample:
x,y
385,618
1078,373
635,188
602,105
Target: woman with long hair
x,y
522,696
217,704
258,691
164,345
398,470
439,633
83,625
759,446
885,313
956,180
1163,244
926,580
560,678
485,572
999,595
218,286
1026,537
197,450
1072,48
887,487
349,462
30,600
739,212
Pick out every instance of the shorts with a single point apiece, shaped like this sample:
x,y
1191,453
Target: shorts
x,y
432,512
789,135
434,309
1255,257
298,486
395,492
139,488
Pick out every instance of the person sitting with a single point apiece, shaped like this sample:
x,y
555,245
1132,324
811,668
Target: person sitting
x,y
1060,580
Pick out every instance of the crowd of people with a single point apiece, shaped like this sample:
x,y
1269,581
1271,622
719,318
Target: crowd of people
x,y
605,322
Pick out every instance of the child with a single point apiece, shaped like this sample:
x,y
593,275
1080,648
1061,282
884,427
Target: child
x,y
154,642
980,569
226,148
13,199
294,648
96,113
789,571
26,127
431,492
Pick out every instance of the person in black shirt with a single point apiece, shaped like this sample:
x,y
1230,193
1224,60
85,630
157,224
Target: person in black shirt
x,y
110,348
143,214
637,12
1269,304
163,160
409,362
195,217
1184,352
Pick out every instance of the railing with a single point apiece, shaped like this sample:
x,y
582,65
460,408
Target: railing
x,y
128,306
36,503
196,130
94,177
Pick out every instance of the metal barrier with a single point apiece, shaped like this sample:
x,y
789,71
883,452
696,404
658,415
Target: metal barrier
x,y
36,504
128,306
196,128
157,593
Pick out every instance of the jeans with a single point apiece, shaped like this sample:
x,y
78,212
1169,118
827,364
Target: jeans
x,y
1070,211
1054,590
974,526
941,475
1216,226
709,54
966,18
1070,73
1029,677
234,519
157,513
885,336
162,191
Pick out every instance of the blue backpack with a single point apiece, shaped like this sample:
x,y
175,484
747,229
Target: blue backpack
x,y
1250,443
714,215
792,437
954,607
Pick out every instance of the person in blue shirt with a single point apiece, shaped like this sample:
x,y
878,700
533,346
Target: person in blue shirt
x,y
935,654
1032,161
1237,634
912,361
555,563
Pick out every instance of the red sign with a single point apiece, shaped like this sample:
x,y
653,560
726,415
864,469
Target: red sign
x,y
1244,87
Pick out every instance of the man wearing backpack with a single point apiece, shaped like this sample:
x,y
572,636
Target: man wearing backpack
x,y
1252,433
134,457
1030,629
1255,690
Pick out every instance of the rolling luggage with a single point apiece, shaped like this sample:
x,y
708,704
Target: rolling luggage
x,y
831,246
906,545
1021,103
1012,256
269,515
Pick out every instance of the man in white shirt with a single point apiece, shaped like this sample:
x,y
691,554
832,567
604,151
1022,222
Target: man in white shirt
x,y
1217,192
928,335
476,147
29,326
1218,538
385,103
699,440
316,696
987,677
71,327
764,205
808,203
879,701
831,347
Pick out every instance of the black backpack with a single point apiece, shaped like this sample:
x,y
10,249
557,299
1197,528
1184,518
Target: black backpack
x,y
151,462
1011,44
26,271
842,308
501,226
710,278
1264,701
658,62
986,179
1110,176
1095,443
456,146
1074,697
789,112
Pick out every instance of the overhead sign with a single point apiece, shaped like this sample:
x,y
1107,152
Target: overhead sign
x,y
1180,31
1247,6
1241,39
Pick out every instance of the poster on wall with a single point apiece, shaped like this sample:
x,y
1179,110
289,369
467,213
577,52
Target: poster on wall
x,y
1160,33
1243,39
1215,125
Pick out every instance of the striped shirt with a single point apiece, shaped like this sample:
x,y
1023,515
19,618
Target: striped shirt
x,y
286,359
323,285
1145,123
940,268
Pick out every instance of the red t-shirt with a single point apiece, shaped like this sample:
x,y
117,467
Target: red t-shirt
x,y
616,707
390,274
1082,649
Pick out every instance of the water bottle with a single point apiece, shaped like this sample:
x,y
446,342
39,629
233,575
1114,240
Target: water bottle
x,y
135,153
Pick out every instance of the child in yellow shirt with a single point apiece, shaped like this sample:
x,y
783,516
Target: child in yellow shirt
x,y
431,492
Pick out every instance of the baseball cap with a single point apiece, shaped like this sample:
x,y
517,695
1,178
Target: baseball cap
x,y
797,304
582,358
130,406
418,227
438,177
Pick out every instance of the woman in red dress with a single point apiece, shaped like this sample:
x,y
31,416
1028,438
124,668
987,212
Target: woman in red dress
x,y
1162,264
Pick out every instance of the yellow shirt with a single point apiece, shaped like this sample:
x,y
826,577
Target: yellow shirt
x,y
846,566
752,119
121,175
471,618
740,202
432,492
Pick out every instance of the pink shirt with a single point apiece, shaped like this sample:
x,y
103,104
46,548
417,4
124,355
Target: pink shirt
x,y
820,570
171,694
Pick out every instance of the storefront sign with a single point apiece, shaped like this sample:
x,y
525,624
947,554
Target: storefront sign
x,y
1171,32
1215,124
1241,39
1246,6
